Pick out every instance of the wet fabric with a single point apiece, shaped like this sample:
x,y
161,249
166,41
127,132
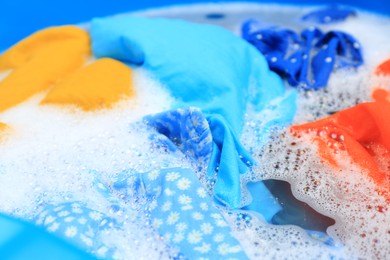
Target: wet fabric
x,y
40,61
381,95
199,71
209,143
307,59
95,86
79,225
329,14
52,60
201,65
381,92
186,130
22,240
383,68
182,211
362,132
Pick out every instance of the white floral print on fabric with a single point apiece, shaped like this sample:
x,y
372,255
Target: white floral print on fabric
x,y
77,224
183,213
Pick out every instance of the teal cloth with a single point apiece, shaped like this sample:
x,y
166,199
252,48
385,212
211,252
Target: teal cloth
x,y
202,66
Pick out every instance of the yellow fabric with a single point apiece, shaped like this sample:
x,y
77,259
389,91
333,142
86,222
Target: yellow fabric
x,y
40,61
98,85
23,51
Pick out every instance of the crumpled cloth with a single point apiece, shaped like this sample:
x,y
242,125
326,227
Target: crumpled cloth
x,y
204,140
307,59
381,92
174,201
202,66
362,132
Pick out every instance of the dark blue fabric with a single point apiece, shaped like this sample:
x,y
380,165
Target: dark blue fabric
x,y
289,54
329,14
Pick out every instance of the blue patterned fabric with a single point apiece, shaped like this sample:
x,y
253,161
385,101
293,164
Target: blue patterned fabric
x,y
210,142
202,66
182,211
79,225
330,14
186,130
289,54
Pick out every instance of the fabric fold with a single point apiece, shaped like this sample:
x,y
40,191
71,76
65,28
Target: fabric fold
x,y
210,143
306,60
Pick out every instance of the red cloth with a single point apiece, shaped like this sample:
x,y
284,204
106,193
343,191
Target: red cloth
x,y
380,94
363,131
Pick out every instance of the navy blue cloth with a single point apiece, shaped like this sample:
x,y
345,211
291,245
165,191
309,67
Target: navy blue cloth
x,y
329,14
305,60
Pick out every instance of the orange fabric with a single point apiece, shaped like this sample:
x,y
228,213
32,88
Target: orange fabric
x,y
381,94
40,61
384,68
98,85
363,131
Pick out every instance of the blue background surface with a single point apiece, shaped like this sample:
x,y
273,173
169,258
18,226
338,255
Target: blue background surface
x,y
19,18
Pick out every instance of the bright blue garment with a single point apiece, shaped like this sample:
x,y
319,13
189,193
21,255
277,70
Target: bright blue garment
x,y
209,142
202,66
186,130
289,54
330,14
79,225
182,211
172,200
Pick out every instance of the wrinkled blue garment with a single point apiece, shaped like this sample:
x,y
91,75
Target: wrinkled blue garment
x,y
181,210
202,66
330,14
79,225
289,54
209,142
186,130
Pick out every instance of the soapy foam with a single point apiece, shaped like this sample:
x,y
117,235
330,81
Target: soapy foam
x,y
347,195
53,150
54,154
